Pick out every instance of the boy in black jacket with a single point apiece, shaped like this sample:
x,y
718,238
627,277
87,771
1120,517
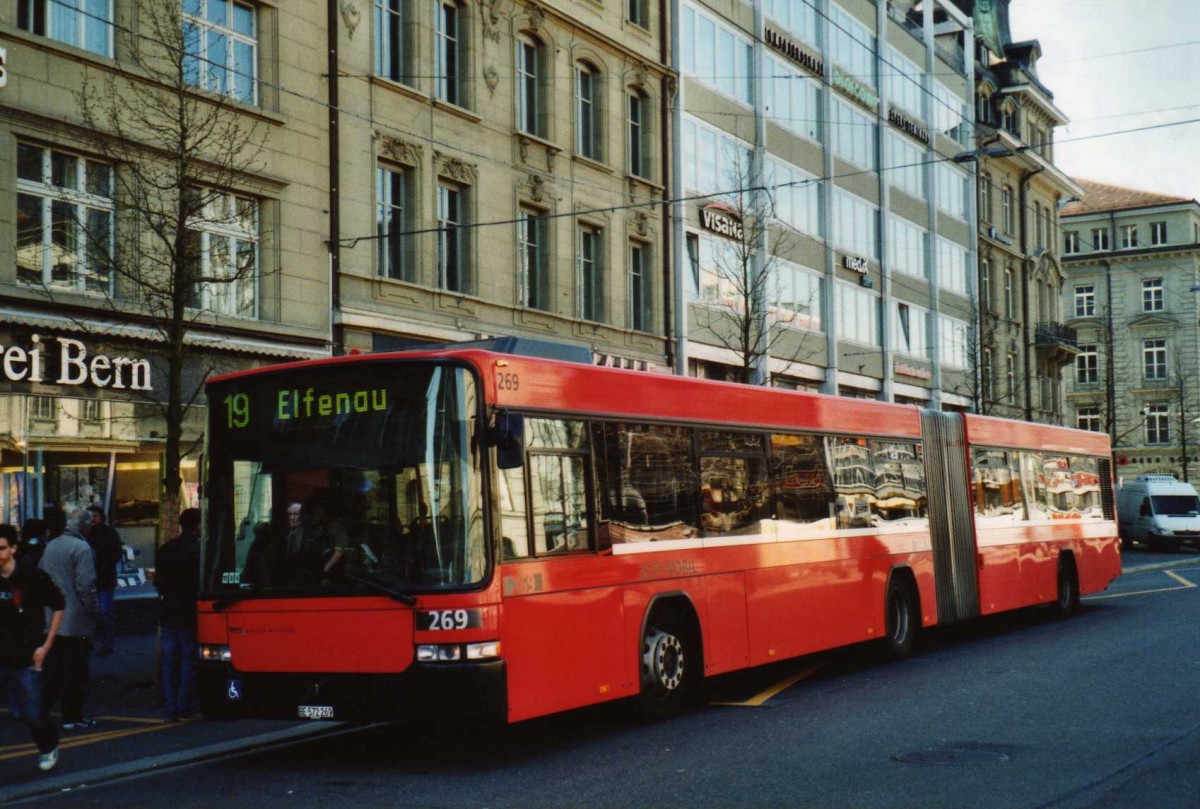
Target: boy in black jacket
x,y
25,594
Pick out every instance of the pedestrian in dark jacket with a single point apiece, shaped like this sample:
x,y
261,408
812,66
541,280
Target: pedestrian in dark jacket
x,y
33,538
107,546
68,560
25,594
177,577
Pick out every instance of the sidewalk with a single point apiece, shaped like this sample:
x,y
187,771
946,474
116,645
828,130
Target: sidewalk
x,y
130,735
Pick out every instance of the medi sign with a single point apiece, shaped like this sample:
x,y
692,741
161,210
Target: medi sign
x,y
66,361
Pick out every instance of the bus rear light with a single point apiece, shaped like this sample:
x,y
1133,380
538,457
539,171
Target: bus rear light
x,y
212,652
453,652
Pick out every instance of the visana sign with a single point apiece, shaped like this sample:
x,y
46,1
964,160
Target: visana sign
x,y
720,220
71,365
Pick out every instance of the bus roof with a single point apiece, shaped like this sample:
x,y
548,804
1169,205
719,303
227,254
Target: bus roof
x,y
547,385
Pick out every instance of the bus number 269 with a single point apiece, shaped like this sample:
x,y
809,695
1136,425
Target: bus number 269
x,y
445,620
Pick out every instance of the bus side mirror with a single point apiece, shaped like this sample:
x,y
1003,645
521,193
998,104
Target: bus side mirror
x,y
508,437
1145,512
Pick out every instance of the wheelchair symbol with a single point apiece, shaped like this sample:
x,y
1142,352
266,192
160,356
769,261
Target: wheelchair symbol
x,y
233,689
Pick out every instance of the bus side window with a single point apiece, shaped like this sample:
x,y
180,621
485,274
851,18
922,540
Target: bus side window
x,y
558,490
514,524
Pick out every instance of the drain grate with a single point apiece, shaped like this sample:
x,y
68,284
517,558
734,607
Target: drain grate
x,y
951,756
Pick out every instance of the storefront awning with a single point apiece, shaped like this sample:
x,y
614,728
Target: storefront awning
x,y
219,342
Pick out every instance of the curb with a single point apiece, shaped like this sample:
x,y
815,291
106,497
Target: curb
x,y
68,782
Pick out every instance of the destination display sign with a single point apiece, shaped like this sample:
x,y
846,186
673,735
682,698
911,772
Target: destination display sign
x,y
285,405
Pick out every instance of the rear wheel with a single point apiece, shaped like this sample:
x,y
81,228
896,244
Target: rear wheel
x,y
670,667
903,618
1067,603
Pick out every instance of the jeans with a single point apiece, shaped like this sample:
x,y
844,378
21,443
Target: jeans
x,y
24,687
178,671
106,621
67,676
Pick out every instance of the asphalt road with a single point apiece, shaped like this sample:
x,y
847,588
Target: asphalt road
x,y
1101,710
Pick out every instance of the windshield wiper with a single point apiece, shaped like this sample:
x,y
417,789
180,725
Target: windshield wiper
x,y
375,584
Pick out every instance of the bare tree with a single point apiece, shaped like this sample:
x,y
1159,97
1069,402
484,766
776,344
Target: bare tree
x,y
183,249
750,305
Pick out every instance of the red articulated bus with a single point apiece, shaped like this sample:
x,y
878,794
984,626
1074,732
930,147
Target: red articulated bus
x,y
461,531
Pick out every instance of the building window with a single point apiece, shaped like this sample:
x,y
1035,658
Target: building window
x,y
1039,225
1070,242
84,24
1087,417
453,270
985,197
955,342
1087,364
1085,300
1100,239
224,244
800,299
1128,236
854,135
1154,358
1152,295
389,40
43,408
1006,209
530,88
533,245
985,379
590,272
587,130
1158,233
64,220
392,216
985,286
638,108
221,48
1011,378
448,53
857,315
1158,423
1009,294
910,330
90,411
638,12
715,54
640,313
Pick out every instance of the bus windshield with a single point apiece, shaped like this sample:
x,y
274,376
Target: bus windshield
x,y
355,478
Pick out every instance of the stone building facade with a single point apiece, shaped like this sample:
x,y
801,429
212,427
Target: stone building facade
x,y
1133,295
84,137
1023,343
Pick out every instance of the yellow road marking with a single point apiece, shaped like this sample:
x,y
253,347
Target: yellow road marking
x,y
1184,584
759,699
1179,578
68,742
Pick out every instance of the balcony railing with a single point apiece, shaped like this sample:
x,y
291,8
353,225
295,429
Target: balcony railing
x,y
1056,334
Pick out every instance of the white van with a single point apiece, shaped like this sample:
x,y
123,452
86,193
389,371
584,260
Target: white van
x,y
1159,511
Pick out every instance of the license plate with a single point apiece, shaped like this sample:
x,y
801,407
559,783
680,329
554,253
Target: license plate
x,y
315,711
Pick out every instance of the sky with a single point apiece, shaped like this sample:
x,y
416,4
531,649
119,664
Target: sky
x,y
1116,65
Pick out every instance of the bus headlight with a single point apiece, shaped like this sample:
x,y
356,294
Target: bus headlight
x,y
454,652
214,653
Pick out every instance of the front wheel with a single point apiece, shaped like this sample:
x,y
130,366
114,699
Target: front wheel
x,y
669,670
903,618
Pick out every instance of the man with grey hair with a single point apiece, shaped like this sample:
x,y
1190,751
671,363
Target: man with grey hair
x,y
69,561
